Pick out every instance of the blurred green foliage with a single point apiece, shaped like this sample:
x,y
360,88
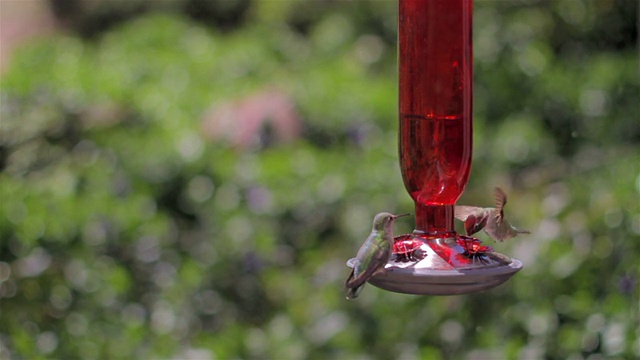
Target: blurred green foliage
x,y
127,233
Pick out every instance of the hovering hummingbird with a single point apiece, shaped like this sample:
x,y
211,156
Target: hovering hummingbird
x,y
491,220
373,254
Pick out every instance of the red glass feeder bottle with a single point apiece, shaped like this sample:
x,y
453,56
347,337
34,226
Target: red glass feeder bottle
x,y
435,146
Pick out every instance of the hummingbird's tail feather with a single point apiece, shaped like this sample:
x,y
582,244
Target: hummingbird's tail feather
x,y
353,286
353,293
523,231
349,280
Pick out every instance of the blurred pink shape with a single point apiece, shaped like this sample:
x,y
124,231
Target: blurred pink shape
x,y
241,122
21,21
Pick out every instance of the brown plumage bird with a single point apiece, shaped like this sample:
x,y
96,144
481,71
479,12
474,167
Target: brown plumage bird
x,y
490,219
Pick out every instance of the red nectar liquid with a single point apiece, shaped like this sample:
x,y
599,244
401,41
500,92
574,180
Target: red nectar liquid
x,y
435,83
435,158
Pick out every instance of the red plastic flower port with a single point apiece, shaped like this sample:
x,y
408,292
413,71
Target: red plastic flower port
x,y
473,247
408,250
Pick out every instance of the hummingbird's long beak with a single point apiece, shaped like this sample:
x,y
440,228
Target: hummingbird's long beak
x,y
401,215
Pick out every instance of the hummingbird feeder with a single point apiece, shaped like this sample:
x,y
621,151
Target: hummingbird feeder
x,y
435,147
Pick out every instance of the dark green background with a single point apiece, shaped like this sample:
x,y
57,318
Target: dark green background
x,y
128,234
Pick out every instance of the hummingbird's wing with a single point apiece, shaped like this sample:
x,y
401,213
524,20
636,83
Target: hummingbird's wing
x,y
462,212
475,218
501,201
369,265
475,222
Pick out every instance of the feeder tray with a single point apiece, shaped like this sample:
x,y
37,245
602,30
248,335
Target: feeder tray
x,y
453,272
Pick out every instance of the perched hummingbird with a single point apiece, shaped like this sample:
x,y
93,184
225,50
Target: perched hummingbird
x,y
373,254
491,220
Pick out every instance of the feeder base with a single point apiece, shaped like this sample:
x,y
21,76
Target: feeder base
x,y
443,282
431,274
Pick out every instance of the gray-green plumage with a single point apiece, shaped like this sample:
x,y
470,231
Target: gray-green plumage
x,y
491,220
373,254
